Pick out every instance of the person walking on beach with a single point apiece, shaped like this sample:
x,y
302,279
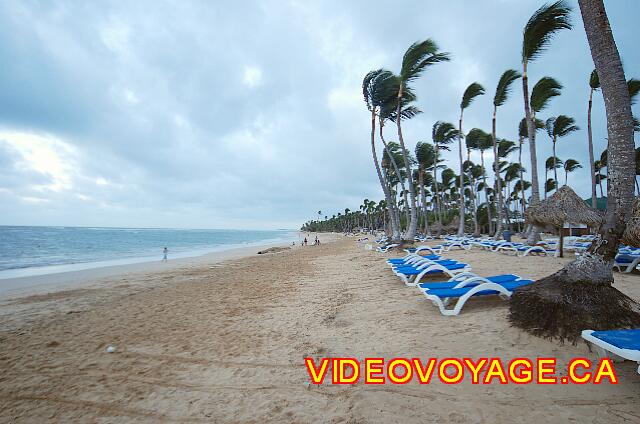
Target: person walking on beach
x,y
165,252
305,241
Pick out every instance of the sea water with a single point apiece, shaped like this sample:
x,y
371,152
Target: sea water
x,y
27,251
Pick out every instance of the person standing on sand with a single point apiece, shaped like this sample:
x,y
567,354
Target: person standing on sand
x,y
165,252
305,241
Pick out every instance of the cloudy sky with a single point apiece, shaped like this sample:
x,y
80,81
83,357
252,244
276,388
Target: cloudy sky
x,y
247,114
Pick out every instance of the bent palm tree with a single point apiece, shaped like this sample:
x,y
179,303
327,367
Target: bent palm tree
x,y
480,140
558,127
375,89
537,35
416,59
502,93
474,90
581,294
594,84
443,134
570,165
426,157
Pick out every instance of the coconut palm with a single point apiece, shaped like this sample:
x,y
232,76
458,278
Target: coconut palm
x,y
480,140
416,59
426,157
558,127
376,92
537,35
570,165
502,93
443,134
582,291
594,85
551,164
473,90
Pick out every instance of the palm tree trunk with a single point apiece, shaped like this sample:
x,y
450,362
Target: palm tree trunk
x,y
435,187
496,170
461,185
423,200
582,291
534,234
413,223
591,158
396,169
381,178
521,176
486,190
555,167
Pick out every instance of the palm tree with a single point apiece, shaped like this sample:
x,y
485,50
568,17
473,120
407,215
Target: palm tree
x,y
537,35
551,164
417,58
375,89
558,127
443,134
502,93
582,291
570,165
426,157
594,84
480,140
474,90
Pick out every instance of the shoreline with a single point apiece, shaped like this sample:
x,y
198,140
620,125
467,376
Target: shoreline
x,y
87,277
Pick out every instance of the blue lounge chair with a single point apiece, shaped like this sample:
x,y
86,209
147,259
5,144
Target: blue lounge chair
x,y
469,281
412,276
623,343
441,297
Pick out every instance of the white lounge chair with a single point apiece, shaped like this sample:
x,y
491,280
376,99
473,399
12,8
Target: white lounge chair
x,y
467,289
622,343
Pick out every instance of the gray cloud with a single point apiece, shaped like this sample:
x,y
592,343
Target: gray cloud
x,y
200,114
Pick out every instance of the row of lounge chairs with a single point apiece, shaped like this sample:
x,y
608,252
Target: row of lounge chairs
x,y
461,286
451,295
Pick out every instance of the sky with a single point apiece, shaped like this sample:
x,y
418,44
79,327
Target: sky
x,y
249,115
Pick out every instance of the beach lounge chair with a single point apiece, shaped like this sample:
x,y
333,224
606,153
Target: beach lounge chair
x,y
411,259
385,248
626,262
412,276
469,279
622,343
465,290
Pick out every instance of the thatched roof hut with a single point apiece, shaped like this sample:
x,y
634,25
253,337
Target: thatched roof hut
x,y
563,206
631,235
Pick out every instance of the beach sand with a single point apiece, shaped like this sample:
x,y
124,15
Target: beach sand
x,y
225,342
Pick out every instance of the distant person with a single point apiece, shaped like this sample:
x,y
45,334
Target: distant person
x,y
165,252
305,241
316,242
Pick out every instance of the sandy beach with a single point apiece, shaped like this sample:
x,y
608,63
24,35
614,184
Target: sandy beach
x,y
225,342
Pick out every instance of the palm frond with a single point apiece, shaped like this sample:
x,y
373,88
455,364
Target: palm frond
x,y
571,165
505,148
542,26
444,133
418,57
594,80
549,163
504,86
377,88
474,90
543,91
634,88
477,139
561,126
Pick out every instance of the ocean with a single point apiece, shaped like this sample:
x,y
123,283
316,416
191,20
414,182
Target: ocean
x,y
27,251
